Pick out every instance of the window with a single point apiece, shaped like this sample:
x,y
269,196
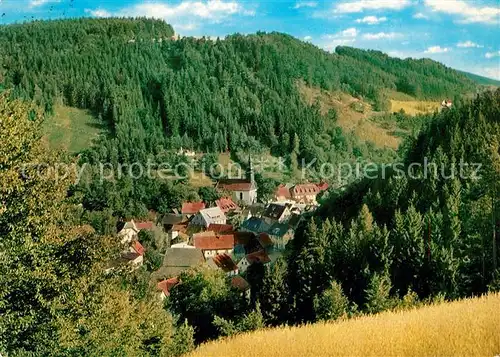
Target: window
x,y
241,195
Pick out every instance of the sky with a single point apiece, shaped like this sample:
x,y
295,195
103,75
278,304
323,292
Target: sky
x,y
463,34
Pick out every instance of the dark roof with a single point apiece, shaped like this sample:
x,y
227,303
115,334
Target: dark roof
x,y
239,283
264,240
254,224
224,262
278,229
258,257
294,220
172,218
220,228
177,260
275,211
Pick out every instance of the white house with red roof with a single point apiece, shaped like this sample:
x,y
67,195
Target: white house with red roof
x,y
212,244
208,216
244,189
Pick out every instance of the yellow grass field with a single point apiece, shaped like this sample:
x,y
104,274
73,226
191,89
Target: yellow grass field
x,y
469,327
414,107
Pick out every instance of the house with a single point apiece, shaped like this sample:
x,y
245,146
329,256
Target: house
x,y
276,212
304,193
177,260
254,210
265,241
243,265
255,225
186,152
280,234
192,208
134,255
209,216
244,189
282,193
242,285
127,231
259,256
211,244
170,219
446,104
178,232
182,245
220,228
226,204
166,286
226,264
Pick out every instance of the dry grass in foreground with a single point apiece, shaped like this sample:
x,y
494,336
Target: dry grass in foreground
x,y
464,328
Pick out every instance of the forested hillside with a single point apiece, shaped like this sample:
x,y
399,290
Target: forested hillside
x,y
155,93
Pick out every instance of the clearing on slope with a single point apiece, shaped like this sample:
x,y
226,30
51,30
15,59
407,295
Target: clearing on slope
x,y
353,115
462,328
71,129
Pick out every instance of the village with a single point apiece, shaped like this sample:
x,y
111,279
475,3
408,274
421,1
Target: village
x,y
230,234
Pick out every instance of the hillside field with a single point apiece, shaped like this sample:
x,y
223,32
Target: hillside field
x,y
462,328
70,129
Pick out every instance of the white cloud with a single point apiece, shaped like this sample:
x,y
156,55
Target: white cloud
x,y
308,38
467,11
302,4
420,15
381,35
36,3
98,13
469,44
361,5
437,49
371,20
214,10
342,38
492,54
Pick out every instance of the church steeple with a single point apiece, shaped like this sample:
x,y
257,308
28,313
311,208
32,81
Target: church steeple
x,y
250,173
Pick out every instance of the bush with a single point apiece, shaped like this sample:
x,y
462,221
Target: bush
x,y
331,304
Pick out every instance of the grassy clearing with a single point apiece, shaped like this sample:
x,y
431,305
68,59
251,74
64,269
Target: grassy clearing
x,y
414,107
350,119
71,129
463,328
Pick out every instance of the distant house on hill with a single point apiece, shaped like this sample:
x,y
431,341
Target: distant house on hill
x,y
446,104
300,193
208,216
242,285
244,189
225,263
127,231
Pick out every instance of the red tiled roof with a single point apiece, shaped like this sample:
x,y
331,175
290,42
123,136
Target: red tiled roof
x,y
259,256
305,189
235,185
220,228
265,240
322,186
239,283
282,191
145,225
226,204
224,262
213,242
138,247
167,285
192,207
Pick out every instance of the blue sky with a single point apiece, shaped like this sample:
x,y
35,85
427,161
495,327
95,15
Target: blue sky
x,y
464,34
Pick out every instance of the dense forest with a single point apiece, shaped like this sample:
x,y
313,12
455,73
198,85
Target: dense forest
x,y
154,93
